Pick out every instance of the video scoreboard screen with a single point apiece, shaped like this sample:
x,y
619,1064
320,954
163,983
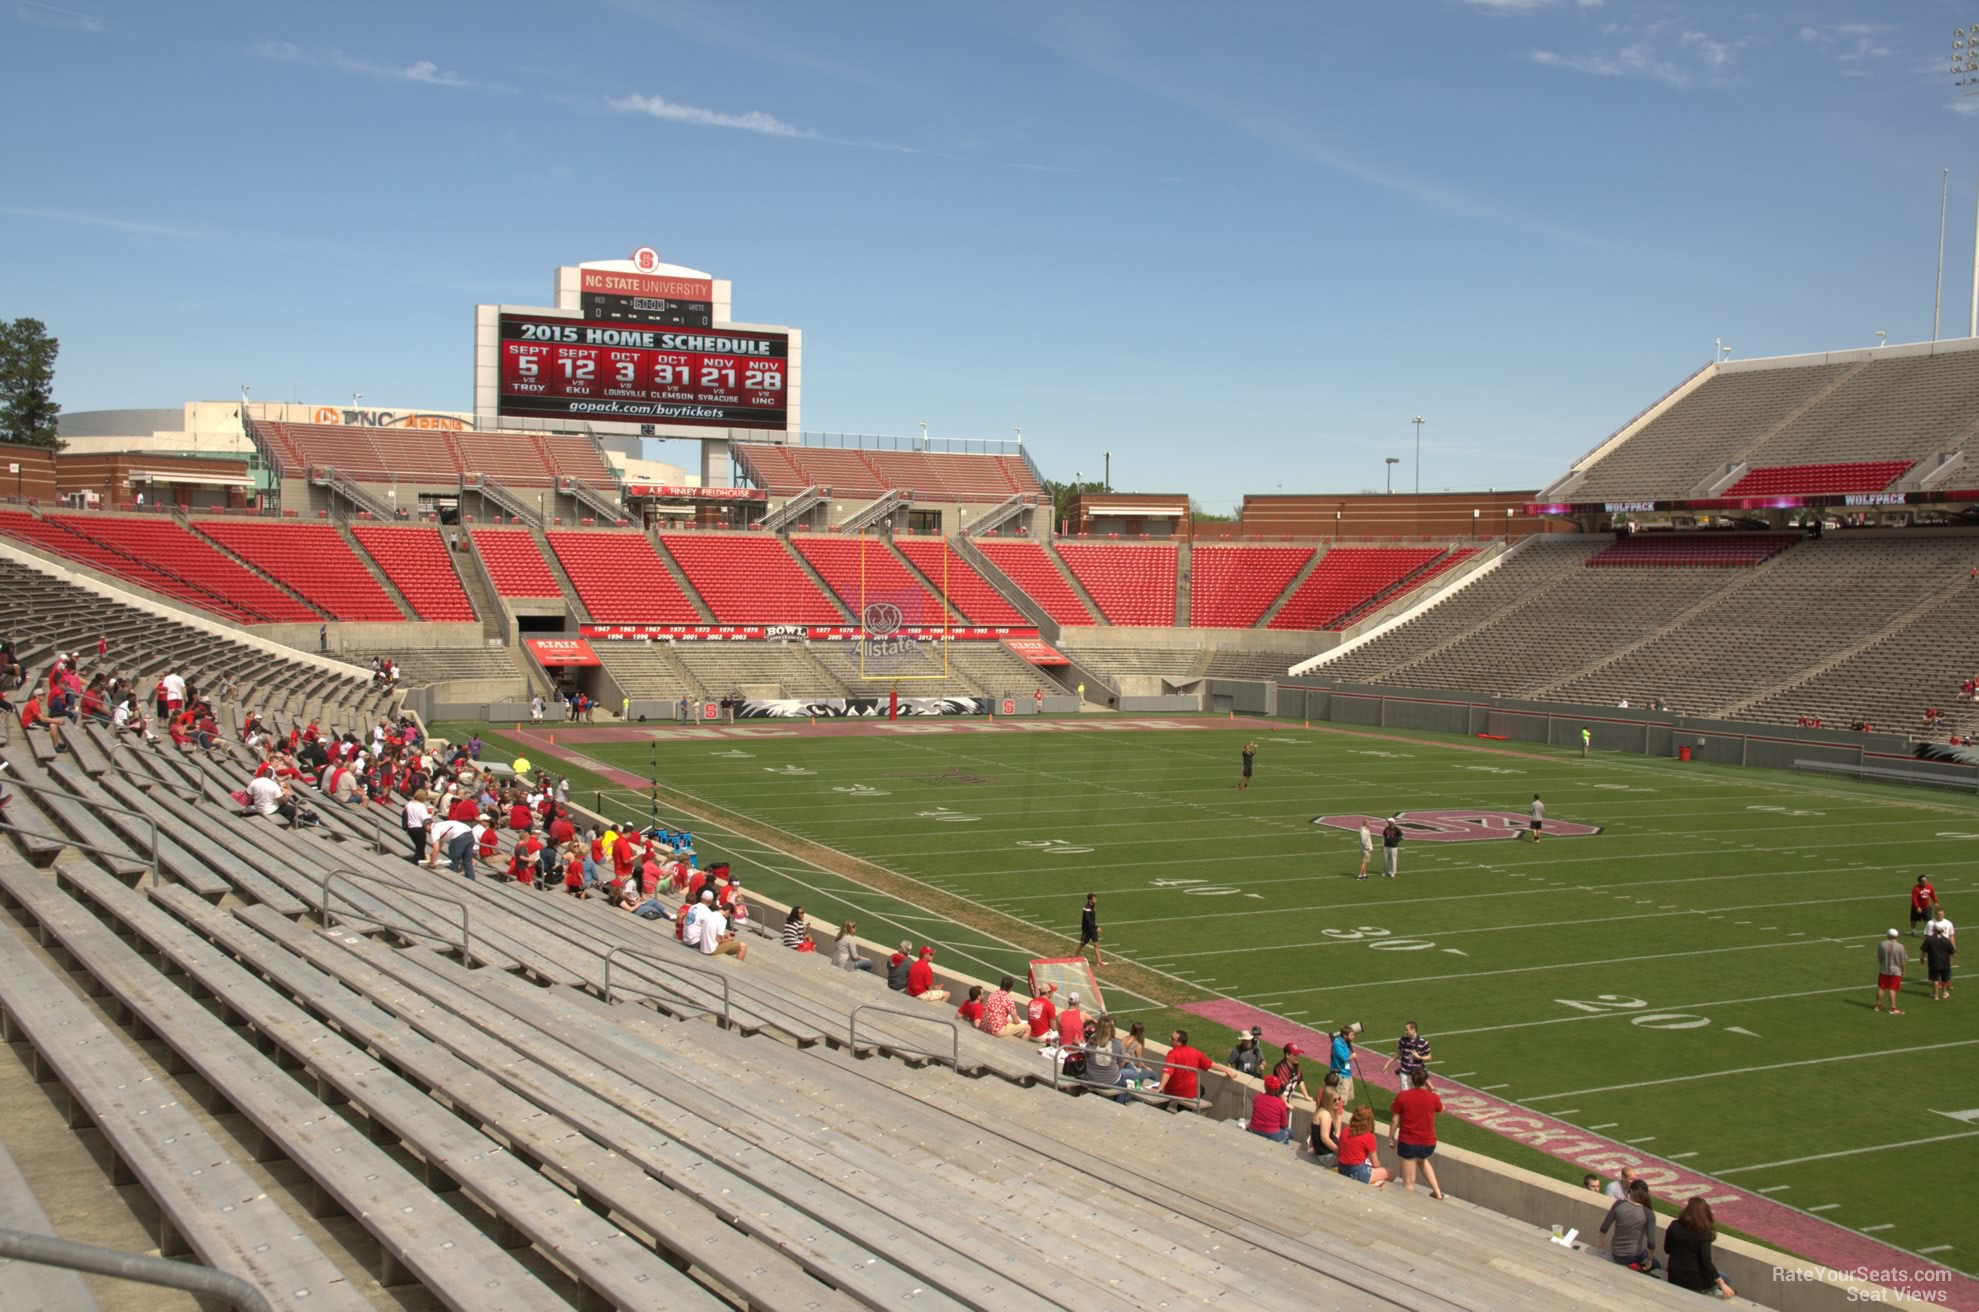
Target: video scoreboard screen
x,y
621,372
604,308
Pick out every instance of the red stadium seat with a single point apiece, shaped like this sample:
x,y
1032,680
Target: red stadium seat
x,y
514,563
750,580
862,571
1232,587
1345,578
312,559
1819,480
1132,585
1031,569
968,591
417,562
622,579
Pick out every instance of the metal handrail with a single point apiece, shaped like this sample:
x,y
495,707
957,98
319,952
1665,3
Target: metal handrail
x,y
45,789
727,1021
323,905
954,1033
1198,1102
47,1250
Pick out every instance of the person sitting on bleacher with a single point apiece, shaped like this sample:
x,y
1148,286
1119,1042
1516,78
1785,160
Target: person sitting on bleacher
x,y
971,1010
1106,1059
1000,1013
845,953
341,786
898,965
91,706
796,933
921,979
714,939
33,718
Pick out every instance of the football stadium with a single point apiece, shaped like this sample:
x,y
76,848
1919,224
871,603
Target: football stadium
x,y
482,857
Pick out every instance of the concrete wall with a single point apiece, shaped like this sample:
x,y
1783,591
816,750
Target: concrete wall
x,y
363,638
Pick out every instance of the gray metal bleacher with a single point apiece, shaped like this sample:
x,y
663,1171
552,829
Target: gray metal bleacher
x,y
648,1155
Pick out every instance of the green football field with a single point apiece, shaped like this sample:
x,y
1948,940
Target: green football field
x,y
1696,979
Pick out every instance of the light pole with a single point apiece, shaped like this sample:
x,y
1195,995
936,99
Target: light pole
x,y
924,434
1417,421
1391,462
1474,515
1508,525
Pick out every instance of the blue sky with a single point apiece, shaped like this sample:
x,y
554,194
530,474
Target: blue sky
x,y
1237,246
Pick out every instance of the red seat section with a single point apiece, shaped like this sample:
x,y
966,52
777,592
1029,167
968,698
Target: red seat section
x,y
968,591
313,559
750,580
1031,569
864,573
51,535
1819,480
933,475
415,560
434,455
1133,585
1344,578
193,558
622,579
515,564
1698,551
1232,587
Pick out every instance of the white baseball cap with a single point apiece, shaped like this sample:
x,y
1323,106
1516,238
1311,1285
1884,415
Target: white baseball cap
x,y
1894,934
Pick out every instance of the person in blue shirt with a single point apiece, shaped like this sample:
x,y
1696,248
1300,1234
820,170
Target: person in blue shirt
x,y
1342,1062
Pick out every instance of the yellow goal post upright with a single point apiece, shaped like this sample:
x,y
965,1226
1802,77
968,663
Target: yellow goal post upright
x,y
885,611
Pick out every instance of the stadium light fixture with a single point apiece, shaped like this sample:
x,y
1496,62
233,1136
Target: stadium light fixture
x,y
1417,421
1391,462
924,434
1508,523
1881,335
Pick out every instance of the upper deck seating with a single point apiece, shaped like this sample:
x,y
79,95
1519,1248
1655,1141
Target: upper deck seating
x,y
1344,578
1819,480
415,559
514,563
622,579
194,559
51,536
1232,587
1037,574
314,560
864,573
1694,551
968,591
750,580
1132,585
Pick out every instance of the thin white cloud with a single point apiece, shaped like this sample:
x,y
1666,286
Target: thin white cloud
x,y
1578,63
36,14
1715,53
754,120
1511,6
424,72
131,227
1849,43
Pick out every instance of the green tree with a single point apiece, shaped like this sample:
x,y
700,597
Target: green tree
x,y
27,384
1201,516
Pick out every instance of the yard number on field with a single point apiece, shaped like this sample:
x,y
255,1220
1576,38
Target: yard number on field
x,y
1201,888
1053,846
1616,1003
1381,940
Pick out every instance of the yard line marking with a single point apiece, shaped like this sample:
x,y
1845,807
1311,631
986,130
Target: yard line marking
x,y
1678,1157
1779,1066
1849,1152
1459,1075
1936,1248
1872,1229
1566,1111
1681,1006
1647,1138
1775,1189
1824,1207
1336,986
1605,1125
1487,1088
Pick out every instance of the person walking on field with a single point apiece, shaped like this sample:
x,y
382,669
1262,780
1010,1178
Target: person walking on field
x,y
1586,741
1938,953
1922,898
1538,813
1250,754
1891,961
1089,930
1367,847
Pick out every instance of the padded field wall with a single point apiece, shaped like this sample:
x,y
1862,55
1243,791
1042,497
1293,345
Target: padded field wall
x,y
1614,729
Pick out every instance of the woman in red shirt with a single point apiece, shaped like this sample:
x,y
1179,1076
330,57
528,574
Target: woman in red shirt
x,y
1412,1132
1357,1150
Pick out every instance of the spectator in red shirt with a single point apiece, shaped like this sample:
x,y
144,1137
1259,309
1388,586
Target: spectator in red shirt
x,y
1271,1118
1183,1062
921,979
519,815
971,1012
1412,1132
1041,1014
1071,1023
1357,1151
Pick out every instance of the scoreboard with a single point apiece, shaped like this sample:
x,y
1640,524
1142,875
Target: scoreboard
x,y
552,367
635,348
